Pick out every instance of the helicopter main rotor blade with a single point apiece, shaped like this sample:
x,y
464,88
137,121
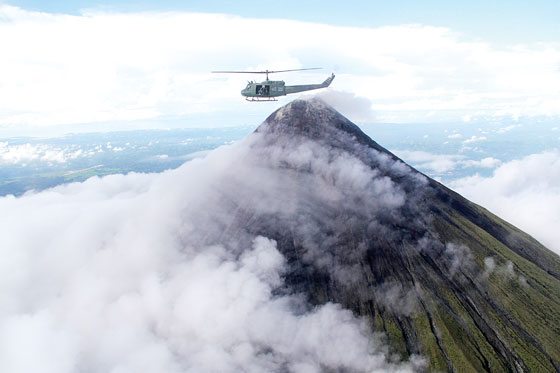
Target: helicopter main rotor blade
x,y
238,72
262,72
283,71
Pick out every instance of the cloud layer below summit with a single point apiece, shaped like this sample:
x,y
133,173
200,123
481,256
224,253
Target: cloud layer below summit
x,y
141,272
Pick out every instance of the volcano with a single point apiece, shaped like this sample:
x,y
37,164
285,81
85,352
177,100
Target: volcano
x,y
438,275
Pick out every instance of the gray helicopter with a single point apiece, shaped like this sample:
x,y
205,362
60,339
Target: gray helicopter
x,y
270,89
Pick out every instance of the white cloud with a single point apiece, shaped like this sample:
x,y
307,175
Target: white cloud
x,y
25,153
474,139
134,273
488,162
525,192
352,106
439,163
443,163
506,270
99,67
455,136
507,128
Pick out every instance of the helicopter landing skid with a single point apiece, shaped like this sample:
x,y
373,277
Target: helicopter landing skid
x,y
260,99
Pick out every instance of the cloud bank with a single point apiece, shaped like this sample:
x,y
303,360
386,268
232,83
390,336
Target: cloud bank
x,y
146,272
525,192
110,67
24,153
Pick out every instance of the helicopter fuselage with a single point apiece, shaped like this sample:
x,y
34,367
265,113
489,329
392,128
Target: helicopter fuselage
x,y
269,89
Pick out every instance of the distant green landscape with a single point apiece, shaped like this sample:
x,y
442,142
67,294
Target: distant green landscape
x,y
443,151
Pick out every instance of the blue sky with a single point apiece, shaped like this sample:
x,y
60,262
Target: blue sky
x,y
503,21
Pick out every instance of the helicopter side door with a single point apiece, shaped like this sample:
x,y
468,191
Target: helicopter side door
x,y
262,90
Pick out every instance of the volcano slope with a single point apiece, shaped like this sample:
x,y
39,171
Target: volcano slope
x,y
438,275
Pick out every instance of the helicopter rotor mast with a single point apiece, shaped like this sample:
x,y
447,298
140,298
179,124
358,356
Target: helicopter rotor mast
x,y
265,71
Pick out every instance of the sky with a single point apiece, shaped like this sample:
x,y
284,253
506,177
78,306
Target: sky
x,y
87,66
505,21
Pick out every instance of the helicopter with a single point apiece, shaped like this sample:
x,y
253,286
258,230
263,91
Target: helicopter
x,y
270,89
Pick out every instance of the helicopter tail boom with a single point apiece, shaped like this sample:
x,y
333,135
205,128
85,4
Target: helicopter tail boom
x,y
309,87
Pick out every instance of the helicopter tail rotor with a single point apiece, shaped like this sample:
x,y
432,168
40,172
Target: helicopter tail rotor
x,y
328,81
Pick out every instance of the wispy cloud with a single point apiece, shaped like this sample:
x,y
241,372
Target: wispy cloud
x,y
474,139
358,108
507,128
455,136
443,163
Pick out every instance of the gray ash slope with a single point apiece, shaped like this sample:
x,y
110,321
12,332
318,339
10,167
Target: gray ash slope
x,y
439,275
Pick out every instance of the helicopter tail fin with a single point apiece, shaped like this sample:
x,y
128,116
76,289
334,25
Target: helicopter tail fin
x,y
328,81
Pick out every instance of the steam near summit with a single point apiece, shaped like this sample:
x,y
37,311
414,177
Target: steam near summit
x,y
306,247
